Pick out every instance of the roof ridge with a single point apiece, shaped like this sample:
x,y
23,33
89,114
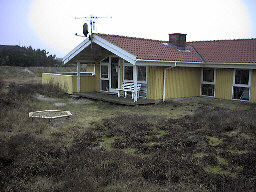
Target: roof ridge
x,y
130,37
218,40
166,41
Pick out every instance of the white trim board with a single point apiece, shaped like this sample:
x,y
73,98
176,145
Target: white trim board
x,y
76,50
114,49
196,64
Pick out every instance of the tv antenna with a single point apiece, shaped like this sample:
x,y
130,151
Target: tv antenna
x,y
92,19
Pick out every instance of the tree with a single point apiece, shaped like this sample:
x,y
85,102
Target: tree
x,y
26,57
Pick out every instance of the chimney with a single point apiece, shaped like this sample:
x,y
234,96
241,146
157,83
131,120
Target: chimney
x,y
178,40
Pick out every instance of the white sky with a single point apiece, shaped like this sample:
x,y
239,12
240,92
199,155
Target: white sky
x,y
53,25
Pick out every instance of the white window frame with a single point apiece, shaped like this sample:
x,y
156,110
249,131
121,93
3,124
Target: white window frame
x,y
103,78
109,72
208,83
242,85
130,65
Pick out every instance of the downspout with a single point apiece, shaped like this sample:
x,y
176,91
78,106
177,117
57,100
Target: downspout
x,y
164,88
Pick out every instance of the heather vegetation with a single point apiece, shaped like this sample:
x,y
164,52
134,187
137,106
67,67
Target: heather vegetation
x,y
188,145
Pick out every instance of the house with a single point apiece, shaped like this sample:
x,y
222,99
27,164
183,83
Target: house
x,y
166,69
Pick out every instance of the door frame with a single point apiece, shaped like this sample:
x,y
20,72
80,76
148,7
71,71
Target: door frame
x,y
109,74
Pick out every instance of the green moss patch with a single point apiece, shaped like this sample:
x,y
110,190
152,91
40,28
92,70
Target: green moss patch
x,y
218,170
214,141
107,141
221,160
237,152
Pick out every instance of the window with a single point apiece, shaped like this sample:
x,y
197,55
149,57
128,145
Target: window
x,y
105,60
128,72
241,93
241,84
208,89
104,71
208,75
141,72
208,82
242,77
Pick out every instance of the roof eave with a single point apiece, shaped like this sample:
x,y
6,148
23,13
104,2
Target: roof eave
x,y
76,50
131,58
196,64
103,43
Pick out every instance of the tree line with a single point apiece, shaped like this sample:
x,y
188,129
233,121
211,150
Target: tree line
x,y
26,57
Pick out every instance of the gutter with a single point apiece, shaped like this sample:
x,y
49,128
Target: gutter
x,y
164,88
195,64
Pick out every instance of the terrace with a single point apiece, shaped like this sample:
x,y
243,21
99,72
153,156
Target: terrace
x,y
112,98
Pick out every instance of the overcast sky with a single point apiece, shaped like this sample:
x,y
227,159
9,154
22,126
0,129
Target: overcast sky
x,y
51,24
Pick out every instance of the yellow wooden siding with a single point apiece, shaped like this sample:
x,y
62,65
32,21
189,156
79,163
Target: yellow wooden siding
x,y
253,87
155,83
224,83
64,82
87,84
90,68
69,83
182,82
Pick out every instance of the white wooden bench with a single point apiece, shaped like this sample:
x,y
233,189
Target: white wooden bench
x,y
129,87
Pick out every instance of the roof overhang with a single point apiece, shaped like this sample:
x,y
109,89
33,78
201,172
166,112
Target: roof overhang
x,y
195,64
76,50
97,47
114,49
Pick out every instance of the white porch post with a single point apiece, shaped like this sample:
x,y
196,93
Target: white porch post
x,y
135,83
78,76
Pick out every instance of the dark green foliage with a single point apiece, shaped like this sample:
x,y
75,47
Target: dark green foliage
x,y
26,57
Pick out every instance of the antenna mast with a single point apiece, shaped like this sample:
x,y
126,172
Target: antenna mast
x,y
92,20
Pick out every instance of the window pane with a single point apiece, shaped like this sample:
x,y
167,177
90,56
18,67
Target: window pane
x,y
207,90
208,75
241,93
128,72
114,60
105,60
104,85
114,75
104,71
142,73
242,77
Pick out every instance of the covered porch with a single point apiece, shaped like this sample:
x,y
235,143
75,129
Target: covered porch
x,y
109,66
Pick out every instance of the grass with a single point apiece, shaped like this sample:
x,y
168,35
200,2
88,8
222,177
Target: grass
x,y
219,171
107,141
213,141
185,145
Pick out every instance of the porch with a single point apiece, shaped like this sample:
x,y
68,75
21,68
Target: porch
x,y
110,67
112,98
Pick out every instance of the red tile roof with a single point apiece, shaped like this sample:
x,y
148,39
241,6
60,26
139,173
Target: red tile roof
x,y
151,49
223,51
227,51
